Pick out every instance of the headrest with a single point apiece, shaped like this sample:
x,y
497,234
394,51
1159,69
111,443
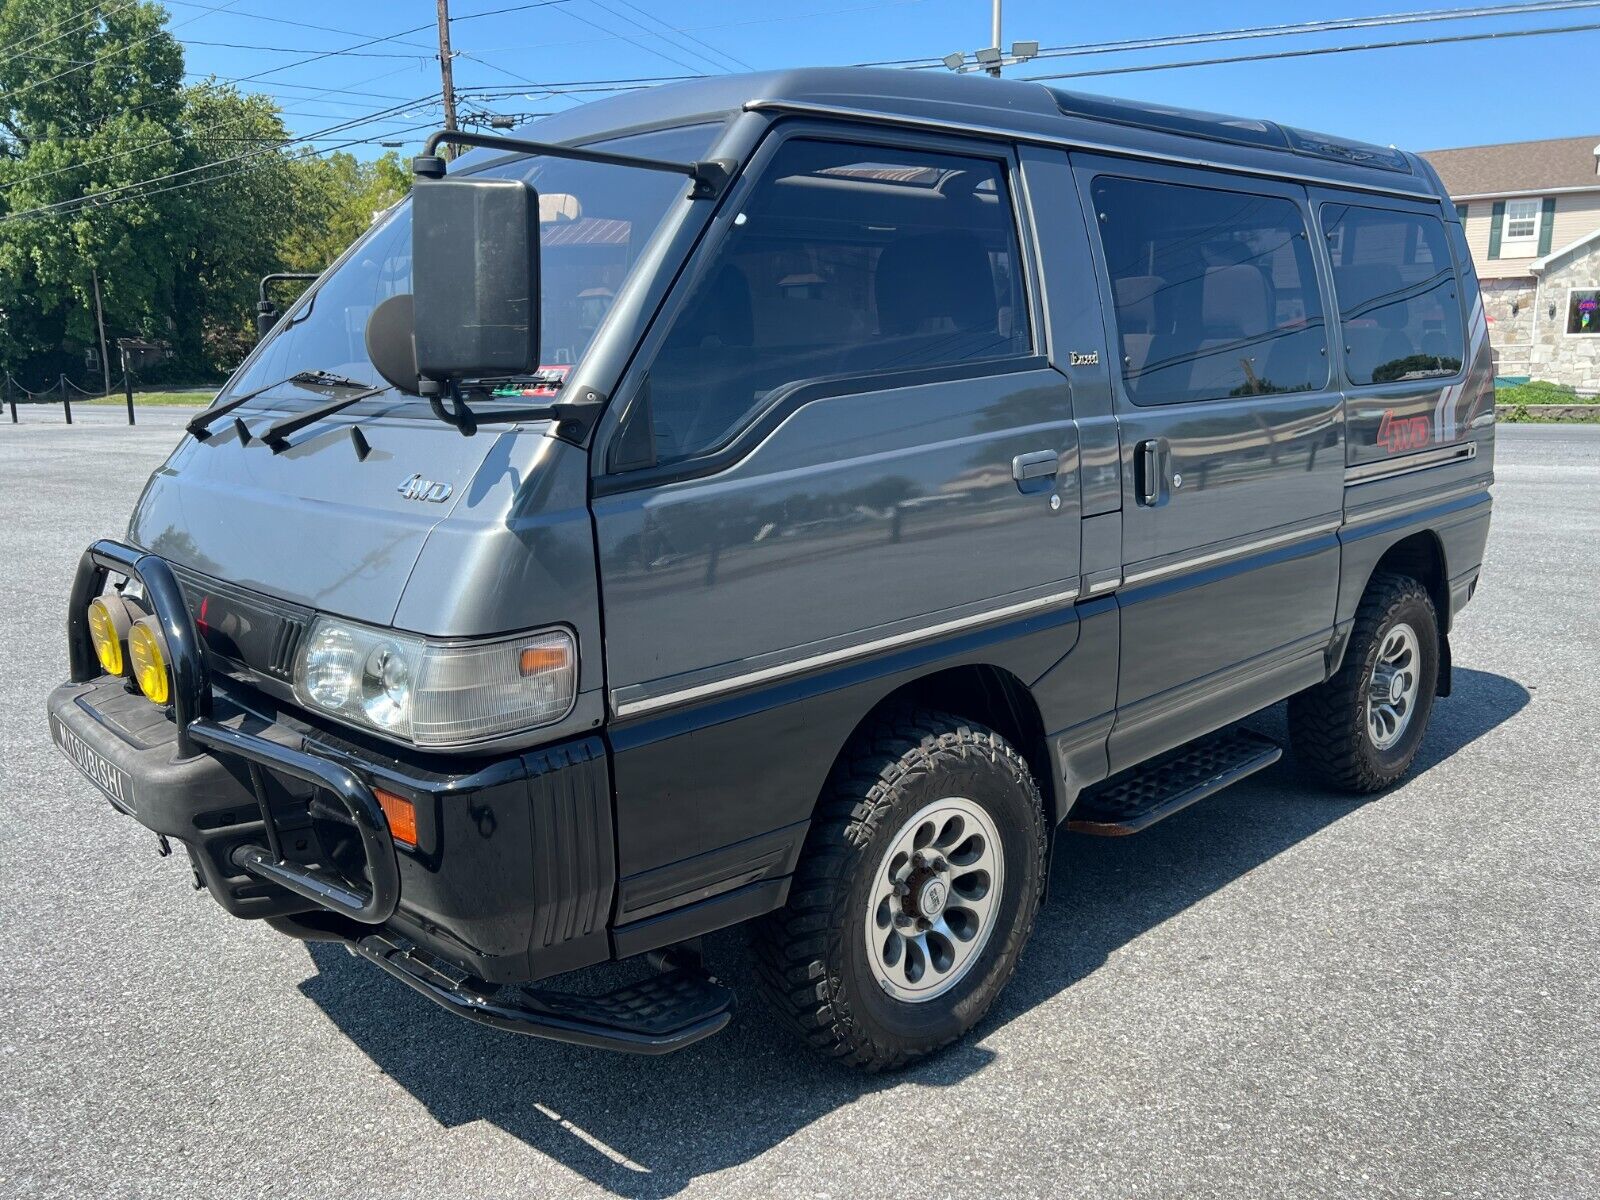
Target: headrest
x,y
1136,302
722,315
1366,286
932,276
1235,299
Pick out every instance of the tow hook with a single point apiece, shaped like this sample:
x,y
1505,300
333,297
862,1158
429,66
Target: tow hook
x,y
163,847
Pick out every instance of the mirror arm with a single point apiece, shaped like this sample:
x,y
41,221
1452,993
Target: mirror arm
x,y
573,418
277,276
709,177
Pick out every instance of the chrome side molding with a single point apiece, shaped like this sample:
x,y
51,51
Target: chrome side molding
x,y
1393,467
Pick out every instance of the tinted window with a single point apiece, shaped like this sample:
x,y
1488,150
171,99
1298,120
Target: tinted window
x,y
846,260
594,223
1215,292
1397,293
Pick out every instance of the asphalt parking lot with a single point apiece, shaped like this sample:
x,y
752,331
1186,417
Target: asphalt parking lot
x,y
1275,993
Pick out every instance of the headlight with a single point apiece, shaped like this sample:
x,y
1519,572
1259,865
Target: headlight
x,y
436,693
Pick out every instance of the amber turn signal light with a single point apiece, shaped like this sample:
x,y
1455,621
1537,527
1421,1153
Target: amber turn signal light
x,y
536,660
401,814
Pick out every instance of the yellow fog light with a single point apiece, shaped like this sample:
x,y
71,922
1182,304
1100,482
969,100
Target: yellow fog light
x,y
148,650
108,630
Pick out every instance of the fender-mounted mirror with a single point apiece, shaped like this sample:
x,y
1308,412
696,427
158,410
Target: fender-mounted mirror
x,y
389,343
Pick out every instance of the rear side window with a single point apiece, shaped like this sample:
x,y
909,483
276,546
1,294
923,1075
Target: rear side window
x,y
846,260
1398,299
1215,292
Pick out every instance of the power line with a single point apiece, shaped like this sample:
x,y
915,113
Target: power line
x,y
120,48
319,56
685,33
632,41
305,49
25,49
279,84
1332,25
190,135
699,54
286,21
94,203
495,12
802,16
126,187
1495,35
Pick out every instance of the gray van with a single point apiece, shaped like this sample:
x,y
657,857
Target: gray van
x,y
792,498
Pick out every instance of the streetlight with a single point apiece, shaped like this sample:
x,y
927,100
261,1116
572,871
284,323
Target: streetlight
x,y
991,58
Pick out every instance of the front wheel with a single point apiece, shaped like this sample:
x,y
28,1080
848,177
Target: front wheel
x,y
918,887
1360,730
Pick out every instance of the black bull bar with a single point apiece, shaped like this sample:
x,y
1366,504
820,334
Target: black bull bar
x,y
197,733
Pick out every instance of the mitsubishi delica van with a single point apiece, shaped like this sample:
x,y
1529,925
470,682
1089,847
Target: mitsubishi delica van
x,y
792,498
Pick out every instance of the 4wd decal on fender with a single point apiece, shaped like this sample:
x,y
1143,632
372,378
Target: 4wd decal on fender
x,y
1397,434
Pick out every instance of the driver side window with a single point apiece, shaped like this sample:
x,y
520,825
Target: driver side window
x,y
846,260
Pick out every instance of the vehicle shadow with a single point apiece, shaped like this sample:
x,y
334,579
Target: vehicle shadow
x,y
647,1127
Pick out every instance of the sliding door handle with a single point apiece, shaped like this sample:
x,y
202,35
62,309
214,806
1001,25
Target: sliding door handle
x,y
1147,471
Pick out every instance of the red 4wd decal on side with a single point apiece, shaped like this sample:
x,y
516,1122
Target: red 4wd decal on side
x,y
1403,433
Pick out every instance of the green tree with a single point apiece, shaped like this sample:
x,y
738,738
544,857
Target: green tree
x,y
90,103
337,199
241,216
178,198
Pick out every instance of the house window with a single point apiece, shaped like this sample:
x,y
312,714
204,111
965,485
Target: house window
x,y
1583,311
1522,221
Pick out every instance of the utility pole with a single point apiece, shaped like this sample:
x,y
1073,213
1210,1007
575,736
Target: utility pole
x,y
100,320
446,75
993,41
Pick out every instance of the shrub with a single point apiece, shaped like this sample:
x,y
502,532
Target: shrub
x,y
1537,391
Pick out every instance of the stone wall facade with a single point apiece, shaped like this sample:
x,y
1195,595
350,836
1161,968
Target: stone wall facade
x,y
1559,356
1508,303
1528,339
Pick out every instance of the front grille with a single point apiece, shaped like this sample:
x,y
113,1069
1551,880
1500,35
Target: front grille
x,y
243,628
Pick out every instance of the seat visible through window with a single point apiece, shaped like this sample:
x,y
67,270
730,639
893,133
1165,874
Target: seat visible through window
x,y
1396,285
1215,291
846,261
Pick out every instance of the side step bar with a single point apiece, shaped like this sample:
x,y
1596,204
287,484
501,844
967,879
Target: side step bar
x,y
654,1016
1149,793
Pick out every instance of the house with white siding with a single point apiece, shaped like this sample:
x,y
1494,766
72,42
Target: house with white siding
x,y
1531,211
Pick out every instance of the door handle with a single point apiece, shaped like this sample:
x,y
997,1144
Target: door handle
x,y
1147,471
1040,464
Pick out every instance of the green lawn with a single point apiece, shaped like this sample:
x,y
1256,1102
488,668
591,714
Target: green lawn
x,y
143,399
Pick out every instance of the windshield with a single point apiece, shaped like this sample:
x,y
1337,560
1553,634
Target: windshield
x,y
594,222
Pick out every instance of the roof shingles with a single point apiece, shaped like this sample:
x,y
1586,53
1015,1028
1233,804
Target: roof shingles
x,y
1518,166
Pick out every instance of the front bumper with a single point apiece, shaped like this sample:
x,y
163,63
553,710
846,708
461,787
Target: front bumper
x,y
512,878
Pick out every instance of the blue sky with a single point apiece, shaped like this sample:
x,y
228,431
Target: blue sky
x,y
1418,98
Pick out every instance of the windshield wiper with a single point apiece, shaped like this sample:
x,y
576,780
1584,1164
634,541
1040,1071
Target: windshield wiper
x,y
200,425
276,435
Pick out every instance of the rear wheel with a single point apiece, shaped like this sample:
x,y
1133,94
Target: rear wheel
x,y
918,887
1361,729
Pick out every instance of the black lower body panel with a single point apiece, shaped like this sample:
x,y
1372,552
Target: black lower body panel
x,y
513,876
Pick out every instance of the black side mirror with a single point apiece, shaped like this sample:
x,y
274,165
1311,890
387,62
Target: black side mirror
x,y
389,342
266,318
474,279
